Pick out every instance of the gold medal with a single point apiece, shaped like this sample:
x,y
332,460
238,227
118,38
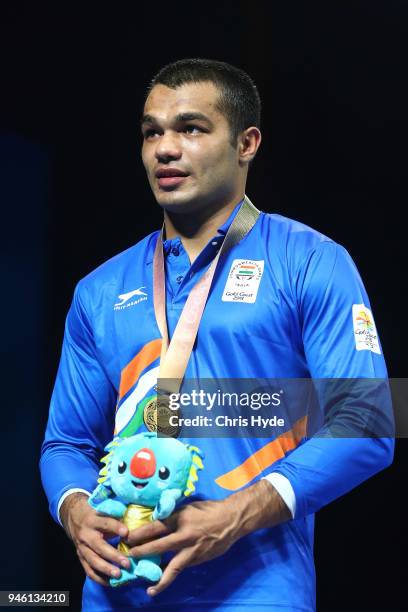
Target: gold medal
x,y
156,417
149,415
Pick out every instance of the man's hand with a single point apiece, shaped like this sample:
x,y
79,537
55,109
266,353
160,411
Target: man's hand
x,y
201,531
87,530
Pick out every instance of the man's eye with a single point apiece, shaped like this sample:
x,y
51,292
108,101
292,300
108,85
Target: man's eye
x,y
149,133
192,129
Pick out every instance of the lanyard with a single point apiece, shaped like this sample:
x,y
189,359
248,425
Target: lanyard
x,y
176,352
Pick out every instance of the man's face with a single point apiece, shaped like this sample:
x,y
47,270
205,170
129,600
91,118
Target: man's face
x,y
187,151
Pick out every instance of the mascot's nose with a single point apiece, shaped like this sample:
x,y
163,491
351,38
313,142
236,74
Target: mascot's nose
x,y
143,464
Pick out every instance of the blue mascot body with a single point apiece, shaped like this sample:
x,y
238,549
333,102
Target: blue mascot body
x,y
143,479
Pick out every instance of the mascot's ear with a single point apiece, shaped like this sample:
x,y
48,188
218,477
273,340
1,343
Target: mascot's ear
x,y
196,464
104,472
114,443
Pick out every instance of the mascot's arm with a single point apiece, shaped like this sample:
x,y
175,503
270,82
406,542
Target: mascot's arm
x,y
99,500
166,503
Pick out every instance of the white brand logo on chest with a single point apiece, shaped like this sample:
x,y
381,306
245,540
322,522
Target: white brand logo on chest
x,y
243,281
126,298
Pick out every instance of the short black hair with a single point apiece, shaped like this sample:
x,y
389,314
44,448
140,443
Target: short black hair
x,y
239,99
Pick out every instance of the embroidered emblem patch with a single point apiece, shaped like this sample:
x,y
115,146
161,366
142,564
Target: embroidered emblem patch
x,y
243,281
365,332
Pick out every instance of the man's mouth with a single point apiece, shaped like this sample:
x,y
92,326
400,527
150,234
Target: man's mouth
x,y
139,485
170,177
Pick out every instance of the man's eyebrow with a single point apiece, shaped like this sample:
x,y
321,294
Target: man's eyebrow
x,y
149,119
188,116
194,116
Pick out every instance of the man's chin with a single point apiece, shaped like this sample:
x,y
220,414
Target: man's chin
x,y
176,202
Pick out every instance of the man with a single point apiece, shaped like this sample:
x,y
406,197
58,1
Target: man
x,y
247,538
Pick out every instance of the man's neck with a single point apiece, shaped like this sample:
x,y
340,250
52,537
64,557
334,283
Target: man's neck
x,y
195,230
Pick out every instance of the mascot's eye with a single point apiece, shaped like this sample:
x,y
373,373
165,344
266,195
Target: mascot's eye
x,y
121,467
164,473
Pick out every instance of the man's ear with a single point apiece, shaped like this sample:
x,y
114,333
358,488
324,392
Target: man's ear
x,y
248,144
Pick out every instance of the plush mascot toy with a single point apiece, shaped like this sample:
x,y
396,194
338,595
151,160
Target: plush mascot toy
x,y
143,478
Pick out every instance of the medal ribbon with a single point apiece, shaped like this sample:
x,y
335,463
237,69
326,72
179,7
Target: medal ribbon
x,y
175,355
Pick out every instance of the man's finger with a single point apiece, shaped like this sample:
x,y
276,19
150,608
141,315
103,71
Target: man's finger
x,y
173,569
97,563
91,572
110,526
106,550
174,541
155,529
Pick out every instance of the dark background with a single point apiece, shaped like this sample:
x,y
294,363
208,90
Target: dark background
x,y
333,80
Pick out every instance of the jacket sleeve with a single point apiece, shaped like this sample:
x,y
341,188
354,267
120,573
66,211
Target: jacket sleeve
x,y
355,436
81,416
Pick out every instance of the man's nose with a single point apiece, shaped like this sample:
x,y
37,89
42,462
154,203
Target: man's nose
x,y
168,146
